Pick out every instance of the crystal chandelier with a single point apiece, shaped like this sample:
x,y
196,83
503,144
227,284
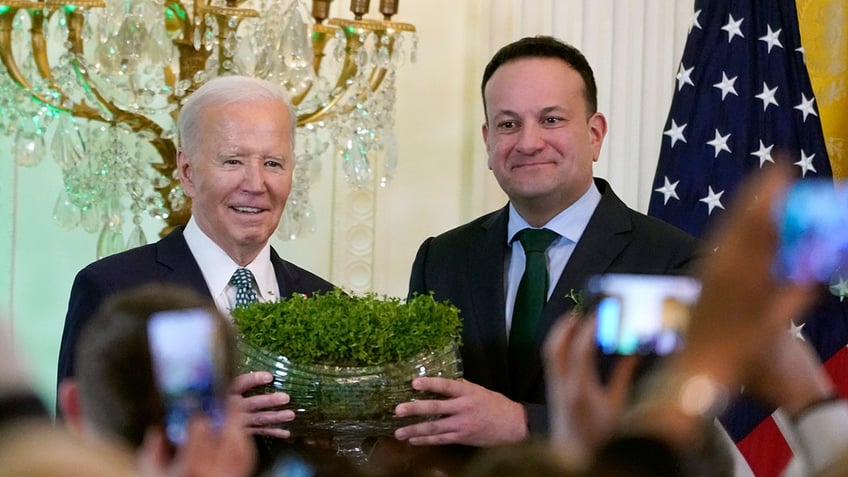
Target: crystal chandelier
x,y
98,86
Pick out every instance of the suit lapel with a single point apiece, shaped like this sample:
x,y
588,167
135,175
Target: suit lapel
x,y
606,235
487,260
173,252
287,277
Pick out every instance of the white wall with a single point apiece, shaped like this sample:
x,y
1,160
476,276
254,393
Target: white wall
x,y
442,180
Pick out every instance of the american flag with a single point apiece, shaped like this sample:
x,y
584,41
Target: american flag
x,y
743,100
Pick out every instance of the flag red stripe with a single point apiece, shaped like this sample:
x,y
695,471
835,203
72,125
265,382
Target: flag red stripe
x,y
837,368
765,449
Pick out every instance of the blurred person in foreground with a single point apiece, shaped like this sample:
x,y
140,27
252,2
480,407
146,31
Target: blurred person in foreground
x,y
31,446
115,397
235,162
543,133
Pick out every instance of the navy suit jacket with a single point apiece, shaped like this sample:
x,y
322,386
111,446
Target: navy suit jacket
x,y
167,261
467,265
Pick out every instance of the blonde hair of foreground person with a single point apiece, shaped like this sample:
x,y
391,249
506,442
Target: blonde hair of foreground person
x,y
31,449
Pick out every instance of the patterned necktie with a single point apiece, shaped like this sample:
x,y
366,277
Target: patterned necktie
x,y
532,290
242,279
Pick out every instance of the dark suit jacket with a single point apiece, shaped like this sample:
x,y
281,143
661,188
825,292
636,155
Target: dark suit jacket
x,y
467,266
167,261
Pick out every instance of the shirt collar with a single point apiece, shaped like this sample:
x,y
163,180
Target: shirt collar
x,y
570,223
217,267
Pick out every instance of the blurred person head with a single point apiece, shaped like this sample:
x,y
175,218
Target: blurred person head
x,y
42,450
314,462
114,394
236,159
542,130
522,460
18,399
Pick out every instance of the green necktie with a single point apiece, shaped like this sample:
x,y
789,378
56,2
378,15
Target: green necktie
x,y
532,290
242,279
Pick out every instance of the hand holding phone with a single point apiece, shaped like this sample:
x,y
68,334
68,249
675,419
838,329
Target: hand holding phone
x,y
187,360
641,314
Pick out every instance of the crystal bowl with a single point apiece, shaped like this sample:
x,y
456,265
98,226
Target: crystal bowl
x,y
349,403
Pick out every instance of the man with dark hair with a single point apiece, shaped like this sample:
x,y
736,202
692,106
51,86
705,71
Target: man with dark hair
x,y
542,133
544,47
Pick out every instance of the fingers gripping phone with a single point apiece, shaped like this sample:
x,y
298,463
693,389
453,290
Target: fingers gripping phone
x,y
186,355
641,314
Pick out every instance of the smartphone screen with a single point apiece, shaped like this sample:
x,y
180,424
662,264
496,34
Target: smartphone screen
x,y
641,314
185,367
812,222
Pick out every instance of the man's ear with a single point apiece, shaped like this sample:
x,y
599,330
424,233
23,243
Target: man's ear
x,y
485,131
597,132
186,174
69,403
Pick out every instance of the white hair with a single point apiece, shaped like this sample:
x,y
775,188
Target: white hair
x,y
224,90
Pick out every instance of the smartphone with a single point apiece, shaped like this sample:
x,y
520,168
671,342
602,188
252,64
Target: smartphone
x,y
641,314
186,354
812,223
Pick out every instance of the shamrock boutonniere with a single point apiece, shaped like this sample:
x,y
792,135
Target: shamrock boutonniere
x,y
576,296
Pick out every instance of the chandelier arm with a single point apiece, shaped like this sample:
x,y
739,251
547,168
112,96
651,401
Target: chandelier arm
x,y
240,13
392,29
224,15
8,57
176,23
321,34
39,43
40,57
329,108
136,122
353,29
197,8
191,62
374,82
376,78
353,43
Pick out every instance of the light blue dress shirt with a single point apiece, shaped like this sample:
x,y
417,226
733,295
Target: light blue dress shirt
x,y
569,224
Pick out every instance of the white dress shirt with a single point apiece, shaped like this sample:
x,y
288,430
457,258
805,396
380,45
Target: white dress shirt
x,y
217,268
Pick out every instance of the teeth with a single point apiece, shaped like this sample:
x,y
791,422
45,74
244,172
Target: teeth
x,y
252,210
